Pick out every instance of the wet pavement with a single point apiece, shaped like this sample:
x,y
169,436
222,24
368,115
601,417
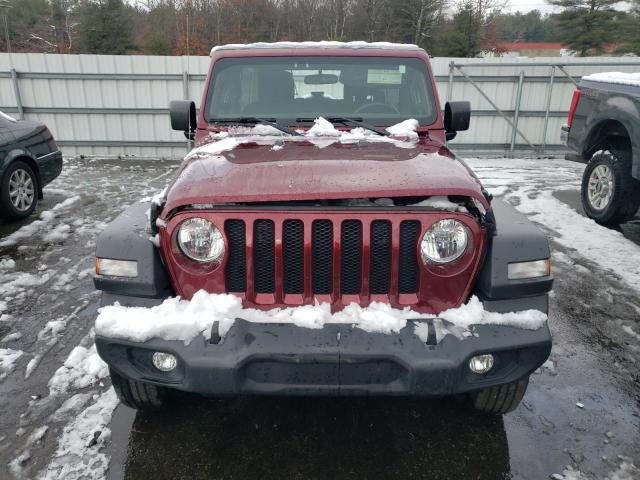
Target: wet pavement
x,y
582,409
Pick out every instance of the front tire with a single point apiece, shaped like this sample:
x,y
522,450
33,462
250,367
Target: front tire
x,y
500,399
610,195
138,395
18,191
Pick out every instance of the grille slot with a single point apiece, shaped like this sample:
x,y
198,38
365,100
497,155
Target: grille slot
x,y
351,257
408,271
264,256
322,257
380,257
293,256
236,269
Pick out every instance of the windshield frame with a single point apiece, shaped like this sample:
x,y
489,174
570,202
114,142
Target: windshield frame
x,y
421,64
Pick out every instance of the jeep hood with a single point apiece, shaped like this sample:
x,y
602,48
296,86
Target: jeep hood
x,y
301,170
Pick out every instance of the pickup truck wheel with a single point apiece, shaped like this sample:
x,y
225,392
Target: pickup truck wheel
x,y
610,195
500,399
138,395
18,191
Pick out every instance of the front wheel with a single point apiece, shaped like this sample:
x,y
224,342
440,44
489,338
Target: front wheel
x,y
500,399
18,191
610,195
138,395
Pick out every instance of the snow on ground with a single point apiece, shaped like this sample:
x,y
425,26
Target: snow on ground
x,y
45,219
177,319
8,358
79,455
615,77
82,368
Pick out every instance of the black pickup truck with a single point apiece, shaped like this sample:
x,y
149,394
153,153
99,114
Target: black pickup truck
x,y
603,130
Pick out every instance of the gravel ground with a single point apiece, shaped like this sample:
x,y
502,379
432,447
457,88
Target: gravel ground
x,y
59,419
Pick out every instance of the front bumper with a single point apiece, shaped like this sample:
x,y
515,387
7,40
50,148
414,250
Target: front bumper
x,y
338,359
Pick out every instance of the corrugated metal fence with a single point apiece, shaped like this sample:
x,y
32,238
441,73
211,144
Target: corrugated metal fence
x,y
117,105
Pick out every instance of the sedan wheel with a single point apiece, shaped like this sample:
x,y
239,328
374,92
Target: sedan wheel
x,y
18,191
22,190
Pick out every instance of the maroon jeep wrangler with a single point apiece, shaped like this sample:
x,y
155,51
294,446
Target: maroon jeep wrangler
x,y
322,239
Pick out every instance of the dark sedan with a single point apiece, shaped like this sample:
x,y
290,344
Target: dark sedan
x,y
29,160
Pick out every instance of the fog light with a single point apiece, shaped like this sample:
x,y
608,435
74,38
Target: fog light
x,y
165,362
481,363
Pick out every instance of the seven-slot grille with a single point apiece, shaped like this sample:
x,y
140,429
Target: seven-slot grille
x,y
362,267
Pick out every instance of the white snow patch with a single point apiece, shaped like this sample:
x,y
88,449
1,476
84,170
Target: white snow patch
x,y
323,128
620,78
8,358
158,198
440,203
79,454
214,148
32,228
82,368
406,128
177,319
7,264
58,234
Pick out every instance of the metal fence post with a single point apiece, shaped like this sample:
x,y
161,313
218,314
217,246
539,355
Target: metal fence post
x,y
16,91
516,114
552,76
450,84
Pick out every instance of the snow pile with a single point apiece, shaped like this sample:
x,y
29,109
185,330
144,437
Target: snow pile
x,y
321,44
78,455
8,358
45,218
405,129
440,203
58,234
619,78
183,320
7,264
323,128
82,368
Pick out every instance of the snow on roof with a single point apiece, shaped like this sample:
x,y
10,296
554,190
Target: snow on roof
x,y
632,79
322,44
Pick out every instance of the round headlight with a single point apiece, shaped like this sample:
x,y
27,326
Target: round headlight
x,y
445,241
200,240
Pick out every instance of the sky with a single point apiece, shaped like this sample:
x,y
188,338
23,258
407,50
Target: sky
x,y
525,6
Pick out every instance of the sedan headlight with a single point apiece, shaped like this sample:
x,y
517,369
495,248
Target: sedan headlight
x,y
445,241
200,240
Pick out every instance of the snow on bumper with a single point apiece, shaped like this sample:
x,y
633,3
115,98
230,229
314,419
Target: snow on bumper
x,y
308,350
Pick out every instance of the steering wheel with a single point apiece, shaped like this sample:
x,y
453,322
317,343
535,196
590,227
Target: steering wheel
x,y
367,106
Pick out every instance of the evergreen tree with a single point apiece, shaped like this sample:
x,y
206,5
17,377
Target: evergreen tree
x,y
105,27
586,25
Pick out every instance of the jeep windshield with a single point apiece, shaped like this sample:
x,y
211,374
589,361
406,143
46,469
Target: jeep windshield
x,y
295,90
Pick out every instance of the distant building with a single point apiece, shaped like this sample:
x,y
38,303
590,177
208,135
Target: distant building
x,y
533,49
540,49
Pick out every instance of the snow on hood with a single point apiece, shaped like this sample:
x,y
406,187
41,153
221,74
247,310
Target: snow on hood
x,y
322,134
620,78
183,320
321,44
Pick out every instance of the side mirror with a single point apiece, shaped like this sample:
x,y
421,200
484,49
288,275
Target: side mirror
x,y
456,118
183,117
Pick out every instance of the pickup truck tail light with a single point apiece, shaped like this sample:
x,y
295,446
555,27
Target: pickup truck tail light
x,y
574,106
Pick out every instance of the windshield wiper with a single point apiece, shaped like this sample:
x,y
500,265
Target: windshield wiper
x,y
257,121
352,121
